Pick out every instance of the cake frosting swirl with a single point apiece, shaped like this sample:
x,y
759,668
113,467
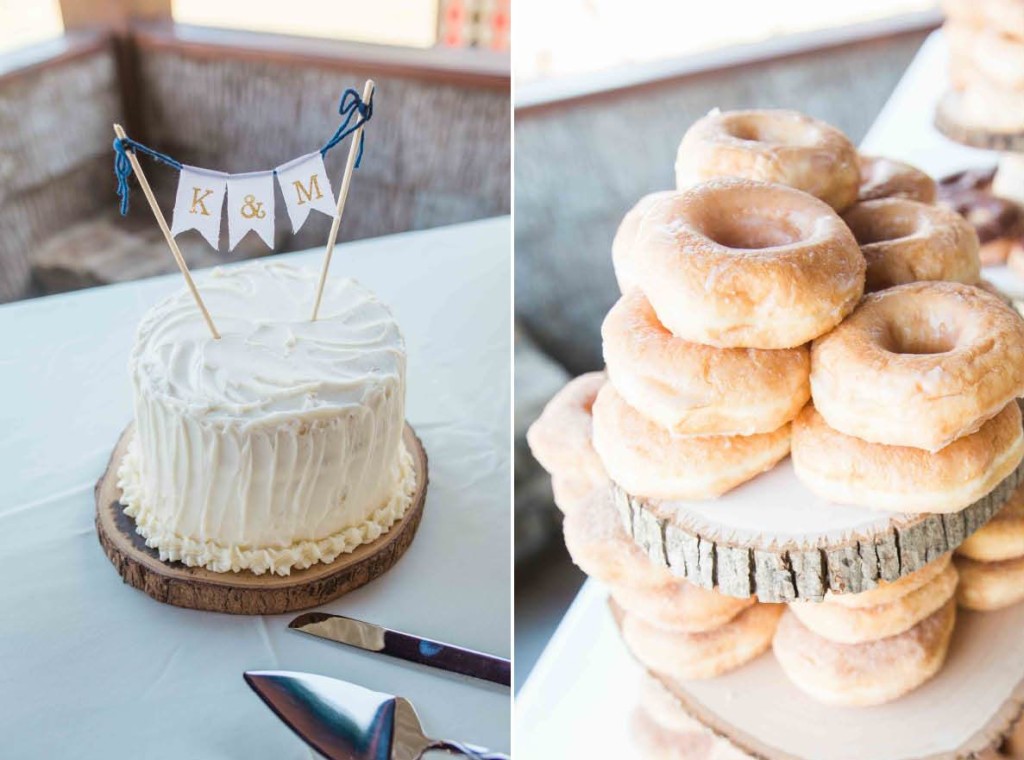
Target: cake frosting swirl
x,y
278,445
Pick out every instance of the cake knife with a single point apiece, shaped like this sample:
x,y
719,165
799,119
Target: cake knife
x,y
406,646
343,721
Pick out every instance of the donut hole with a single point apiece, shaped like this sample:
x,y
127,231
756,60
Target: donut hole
x,y
920,337
750,231
774,130
881,228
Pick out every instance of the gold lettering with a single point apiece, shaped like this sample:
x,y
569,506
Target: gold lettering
x,y
307,195
198,200
251,209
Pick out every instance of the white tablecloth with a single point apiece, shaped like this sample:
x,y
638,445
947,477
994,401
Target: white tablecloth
x,y
90,667
576,701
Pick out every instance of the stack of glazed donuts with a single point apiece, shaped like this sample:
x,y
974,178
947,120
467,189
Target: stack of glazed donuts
x,y
914,401
869,648
724,283
793,296
986,62
675,628
991,561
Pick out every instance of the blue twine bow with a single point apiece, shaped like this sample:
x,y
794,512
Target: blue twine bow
x,y
350,105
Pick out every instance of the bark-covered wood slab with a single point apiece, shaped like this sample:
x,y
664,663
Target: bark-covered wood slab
x,y
773,538
968,708
949,123
245,593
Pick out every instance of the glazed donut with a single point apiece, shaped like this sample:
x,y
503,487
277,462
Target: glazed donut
x,y
599,546
988,586
995,57
889,592
569,491
871,673
625,236
1002,537
560,439
886,178
856,625
907,241
919,365
740,264
685,656
692,389
990,287
1002,15
647,460
679,606
771,146
847,470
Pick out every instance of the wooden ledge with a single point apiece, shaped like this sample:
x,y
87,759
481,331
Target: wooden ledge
x,y
468,68
50,53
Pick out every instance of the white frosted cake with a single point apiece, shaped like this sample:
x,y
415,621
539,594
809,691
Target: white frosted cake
x,y
279,445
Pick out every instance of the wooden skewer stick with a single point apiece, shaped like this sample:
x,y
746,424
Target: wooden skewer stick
x,y
144,184
346,182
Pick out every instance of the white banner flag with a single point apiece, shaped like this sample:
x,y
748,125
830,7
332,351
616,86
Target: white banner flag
x,y
199,202
251,207
305,186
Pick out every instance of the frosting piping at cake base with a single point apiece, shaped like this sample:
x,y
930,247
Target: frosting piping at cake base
x,y
279,560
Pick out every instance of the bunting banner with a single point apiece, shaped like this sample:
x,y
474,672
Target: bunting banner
x,y
204,196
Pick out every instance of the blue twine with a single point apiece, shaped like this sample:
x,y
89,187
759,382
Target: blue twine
x,y
123,167
350,105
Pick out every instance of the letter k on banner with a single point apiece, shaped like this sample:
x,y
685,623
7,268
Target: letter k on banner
x,y
199,203
305,186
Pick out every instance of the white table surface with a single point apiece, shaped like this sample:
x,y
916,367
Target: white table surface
x,y
92,668
577,699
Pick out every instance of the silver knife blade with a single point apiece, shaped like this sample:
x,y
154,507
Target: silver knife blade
x,y
406,646
343,721
340,720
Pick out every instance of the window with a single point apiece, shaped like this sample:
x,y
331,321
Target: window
x,y
412,23
23,23
579,36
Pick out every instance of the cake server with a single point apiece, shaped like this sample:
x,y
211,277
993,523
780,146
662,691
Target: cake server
x,y
343,721
375,638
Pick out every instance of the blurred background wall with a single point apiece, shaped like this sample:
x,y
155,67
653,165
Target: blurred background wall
x,y
599,115
237,86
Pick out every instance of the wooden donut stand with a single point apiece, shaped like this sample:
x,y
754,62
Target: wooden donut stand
x,y
740,544
968,708
245,593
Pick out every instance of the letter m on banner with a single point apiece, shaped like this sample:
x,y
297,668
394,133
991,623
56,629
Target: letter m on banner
x,y
306,186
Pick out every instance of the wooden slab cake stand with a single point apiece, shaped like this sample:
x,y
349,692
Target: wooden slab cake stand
x,y
773,538
948,122
969,707
245,593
